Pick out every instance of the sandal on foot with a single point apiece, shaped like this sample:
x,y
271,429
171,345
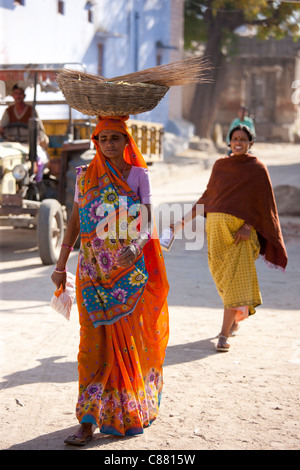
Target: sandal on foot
x,y
222,345
232,332
77,441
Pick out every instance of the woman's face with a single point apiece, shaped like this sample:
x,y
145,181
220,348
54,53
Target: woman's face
x,y
240,143
112,143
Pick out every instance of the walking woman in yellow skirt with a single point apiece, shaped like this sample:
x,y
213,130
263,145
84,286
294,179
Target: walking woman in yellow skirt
x,y
242,223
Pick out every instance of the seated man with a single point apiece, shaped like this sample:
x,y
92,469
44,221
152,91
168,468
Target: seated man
x,y
14,127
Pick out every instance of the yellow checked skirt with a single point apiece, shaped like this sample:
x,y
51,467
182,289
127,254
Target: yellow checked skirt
x,y
233,266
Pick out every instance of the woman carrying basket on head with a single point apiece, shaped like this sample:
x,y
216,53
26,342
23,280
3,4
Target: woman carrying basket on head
x,y
121,288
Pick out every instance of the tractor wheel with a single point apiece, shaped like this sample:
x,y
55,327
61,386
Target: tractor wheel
x,y
50,230
78,160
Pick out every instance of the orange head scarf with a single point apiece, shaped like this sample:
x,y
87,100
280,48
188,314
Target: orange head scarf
x,y
132,153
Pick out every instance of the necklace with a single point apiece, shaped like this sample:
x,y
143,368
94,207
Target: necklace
x,y
123,171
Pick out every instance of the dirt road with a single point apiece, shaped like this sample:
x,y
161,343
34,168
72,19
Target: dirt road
x,y
246,399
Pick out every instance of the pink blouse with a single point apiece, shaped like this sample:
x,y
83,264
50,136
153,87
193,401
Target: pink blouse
x,y
139,181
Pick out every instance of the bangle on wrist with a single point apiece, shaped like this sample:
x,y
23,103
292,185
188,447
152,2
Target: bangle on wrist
x,y
137,246
246,226
148,235
60,271
68,246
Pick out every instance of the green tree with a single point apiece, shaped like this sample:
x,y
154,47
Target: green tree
x,y
211,24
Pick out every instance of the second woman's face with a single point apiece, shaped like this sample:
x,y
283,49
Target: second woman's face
x,y
240,143
112,143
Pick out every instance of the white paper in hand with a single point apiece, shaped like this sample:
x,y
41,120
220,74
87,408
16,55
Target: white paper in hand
x,y
167,238
62,302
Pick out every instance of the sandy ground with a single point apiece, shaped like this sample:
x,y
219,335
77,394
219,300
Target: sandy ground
x,y
247,399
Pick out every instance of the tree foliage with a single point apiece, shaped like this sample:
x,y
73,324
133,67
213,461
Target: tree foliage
x,y
210,27
271,18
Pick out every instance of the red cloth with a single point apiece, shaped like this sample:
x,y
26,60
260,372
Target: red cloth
x,y
241,186
23,118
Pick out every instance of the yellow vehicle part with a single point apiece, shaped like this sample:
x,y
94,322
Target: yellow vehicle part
x,y
148,136
8,184
12,154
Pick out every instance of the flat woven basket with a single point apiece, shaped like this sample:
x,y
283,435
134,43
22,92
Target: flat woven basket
x,y
97,96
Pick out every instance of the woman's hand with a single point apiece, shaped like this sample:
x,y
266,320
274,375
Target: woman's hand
x,y
71,234
242,234
128,255
177,226
59,279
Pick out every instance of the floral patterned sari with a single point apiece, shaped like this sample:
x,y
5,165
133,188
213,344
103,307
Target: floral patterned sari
x,y
123,312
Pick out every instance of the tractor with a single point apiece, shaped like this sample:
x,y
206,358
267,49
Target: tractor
x,y
45,205
24,201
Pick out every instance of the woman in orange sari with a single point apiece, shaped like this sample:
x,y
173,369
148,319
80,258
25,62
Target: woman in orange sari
x,y
121,288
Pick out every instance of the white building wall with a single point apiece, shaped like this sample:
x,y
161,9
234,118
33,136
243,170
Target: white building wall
x,y
37,33
128,31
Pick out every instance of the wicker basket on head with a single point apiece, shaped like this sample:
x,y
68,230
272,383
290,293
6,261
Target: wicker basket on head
x,y
133,93
94,96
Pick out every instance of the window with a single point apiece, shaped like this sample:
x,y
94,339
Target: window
x,y
158,59
89,6
90,16
100,59
61,7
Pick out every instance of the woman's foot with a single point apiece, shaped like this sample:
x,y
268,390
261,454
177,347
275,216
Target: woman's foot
x,y
222,345
82,436
234,329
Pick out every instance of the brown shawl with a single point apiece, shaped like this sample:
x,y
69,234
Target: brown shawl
x,y
241,186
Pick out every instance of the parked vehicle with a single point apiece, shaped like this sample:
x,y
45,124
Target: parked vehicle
x,y
47,204
24,201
